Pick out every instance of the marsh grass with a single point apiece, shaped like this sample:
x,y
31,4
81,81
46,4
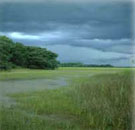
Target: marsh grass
x,y
69,72
106,101
100,102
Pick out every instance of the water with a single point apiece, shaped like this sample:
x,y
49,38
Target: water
x,y
19,86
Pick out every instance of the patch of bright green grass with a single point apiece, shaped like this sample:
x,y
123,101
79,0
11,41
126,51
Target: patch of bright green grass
x,y
56,101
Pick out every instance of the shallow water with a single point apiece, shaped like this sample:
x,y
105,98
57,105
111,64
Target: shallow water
x,y
17,86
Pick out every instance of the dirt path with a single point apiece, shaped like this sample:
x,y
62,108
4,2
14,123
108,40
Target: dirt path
x,y
16,86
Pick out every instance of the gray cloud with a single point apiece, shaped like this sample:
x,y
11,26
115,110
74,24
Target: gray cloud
x,y
99,19
64,38
96,26
65,1
89,55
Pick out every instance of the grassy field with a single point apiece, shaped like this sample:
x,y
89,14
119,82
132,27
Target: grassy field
x,y
91,99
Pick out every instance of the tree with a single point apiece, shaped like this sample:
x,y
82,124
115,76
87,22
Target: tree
x,y
40,58
19,54
16,54
5,52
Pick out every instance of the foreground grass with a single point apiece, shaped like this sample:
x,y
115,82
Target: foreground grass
x,y
101,102
106,101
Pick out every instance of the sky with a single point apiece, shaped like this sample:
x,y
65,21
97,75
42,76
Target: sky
x,y
97,32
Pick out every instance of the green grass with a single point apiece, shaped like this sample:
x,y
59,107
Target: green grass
x,y
106,101
99,102
69,72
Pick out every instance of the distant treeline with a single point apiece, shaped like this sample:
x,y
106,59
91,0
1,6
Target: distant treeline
x,y
83,65
14,55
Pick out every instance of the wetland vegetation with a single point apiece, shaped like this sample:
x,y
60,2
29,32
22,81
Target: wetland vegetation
x,y
66,99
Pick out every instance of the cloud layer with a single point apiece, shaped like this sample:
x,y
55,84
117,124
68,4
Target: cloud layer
x,y
103,27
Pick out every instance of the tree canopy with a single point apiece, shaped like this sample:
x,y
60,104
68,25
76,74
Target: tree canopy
x,y
14,54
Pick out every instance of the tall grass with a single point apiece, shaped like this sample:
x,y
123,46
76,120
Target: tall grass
x,y
100,102
106,101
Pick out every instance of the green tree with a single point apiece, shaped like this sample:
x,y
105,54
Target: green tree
x,y
40,58
19,55
6,46
16,54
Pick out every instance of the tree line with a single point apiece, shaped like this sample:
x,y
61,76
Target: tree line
x,y
78,64
15,54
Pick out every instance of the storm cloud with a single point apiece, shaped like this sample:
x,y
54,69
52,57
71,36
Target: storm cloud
x,y
103,27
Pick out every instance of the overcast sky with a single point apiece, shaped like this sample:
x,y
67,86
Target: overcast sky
x,y
88,32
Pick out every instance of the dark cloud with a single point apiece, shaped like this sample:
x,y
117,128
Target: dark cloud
x,y
99,19
100,26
